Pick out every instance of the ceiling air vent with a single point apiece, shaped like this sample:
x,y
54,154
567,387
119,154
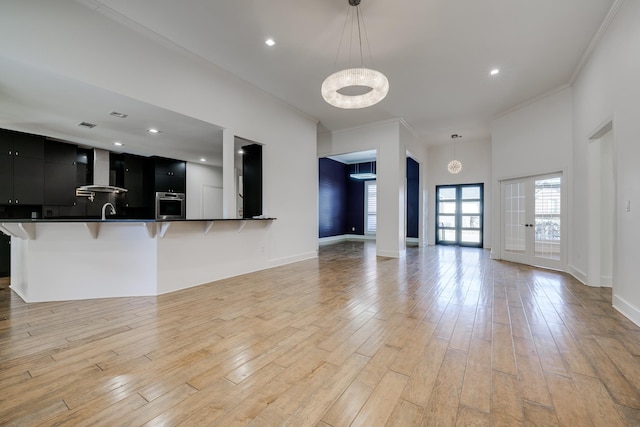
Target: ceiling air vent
x,y
87,125
119,115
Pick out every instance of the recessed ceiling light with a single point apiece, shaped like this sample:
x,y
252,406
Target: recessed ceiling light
x,y
495,71
152,130
119,115
269,42
118,143
87,125
240,151
202,159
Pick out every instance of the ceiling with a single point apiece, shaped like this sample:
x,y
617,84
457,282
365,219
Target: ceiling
x,y
437,55
43,103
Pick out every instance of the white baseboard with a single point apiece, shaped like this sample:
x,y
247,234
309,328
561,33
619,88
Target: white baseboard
x,y
20,294
577,274
392,254
345,237
291,259
630,311
606,281
412,241
332,239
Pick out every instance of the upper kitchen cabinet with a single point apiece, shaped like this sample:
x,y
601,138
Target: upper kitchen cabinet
x,y
60,168
169,175
21,168
252,180
128,171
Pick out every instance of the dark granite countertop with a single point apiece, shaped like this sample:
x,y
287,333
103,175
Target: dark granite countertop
x,y
124,220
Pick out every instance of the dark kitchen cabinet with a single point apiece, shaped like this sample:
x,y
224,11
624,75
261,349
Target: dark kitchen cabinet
x,y
252,180
169,175
60,171
128,171
28,181
60,152
22,169
6,178
28,146
5,255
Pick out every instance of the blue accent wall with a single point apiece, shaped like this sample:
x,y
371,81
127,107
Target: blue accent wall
x,y
355,206
341,198
413,197
332,197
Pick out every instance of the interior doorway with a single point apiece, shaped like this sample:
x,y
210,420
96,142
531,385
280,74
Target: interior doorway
x,y
602,208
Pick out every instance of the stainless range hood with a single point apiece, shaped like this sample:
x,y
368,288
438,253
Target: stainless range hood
x,y
100,177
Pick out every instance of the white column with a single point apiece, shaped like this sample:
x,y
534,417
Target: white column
x,y
391,186
228,175
423,206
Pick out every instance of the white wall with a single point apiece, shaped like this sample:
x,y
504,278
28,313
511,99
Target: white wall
x,y
75,41
203,180
533,140
607,89
475,157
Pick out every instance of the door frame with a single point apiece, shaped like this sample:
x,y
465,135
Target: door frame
x,y
459,216
531,259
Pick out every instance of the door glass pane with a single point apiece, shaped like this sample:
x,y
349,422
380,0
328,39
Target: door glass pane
x,y
514,219
447,207
470,193
471,221
547,218
471,207
446,194
448,235
470,236
447,221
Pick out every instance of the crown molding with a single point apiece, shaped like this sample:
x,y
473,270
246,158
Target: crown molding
x,y
99,7
613,11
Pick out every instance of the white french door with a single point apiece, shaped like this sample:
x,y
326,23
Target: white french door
x,y
532,228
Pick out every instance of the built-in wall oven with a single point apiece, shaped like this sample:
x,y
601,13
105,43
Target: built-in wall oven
x,y
170,205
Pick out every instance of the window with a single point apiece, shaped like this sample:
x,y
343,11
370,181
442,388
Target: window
x,y
370,202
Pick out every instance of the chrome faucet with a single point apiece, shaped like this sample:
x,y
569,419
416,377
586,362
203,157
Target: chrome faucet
x,y
112,211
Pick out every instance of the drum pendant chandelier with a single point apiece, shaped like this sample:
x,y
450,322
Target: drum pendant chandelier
x,y
337,89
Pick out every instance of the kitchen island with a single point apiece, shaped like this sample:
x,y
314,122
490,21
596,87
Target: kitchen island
x,y
68,259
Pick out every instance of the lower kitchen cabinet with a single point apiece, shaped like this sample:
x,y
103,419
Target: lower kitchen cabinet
x,y
5,255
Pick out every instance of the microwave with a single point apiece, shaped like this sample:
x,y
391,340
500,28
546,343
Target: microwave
x,y
170,205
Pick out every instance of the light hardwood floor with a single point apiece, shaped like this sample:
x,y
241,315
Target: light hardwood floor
x,y
444,336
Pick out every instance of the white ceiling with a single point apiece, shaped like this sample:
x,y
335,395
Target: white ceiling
x,y
437,55
44,103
